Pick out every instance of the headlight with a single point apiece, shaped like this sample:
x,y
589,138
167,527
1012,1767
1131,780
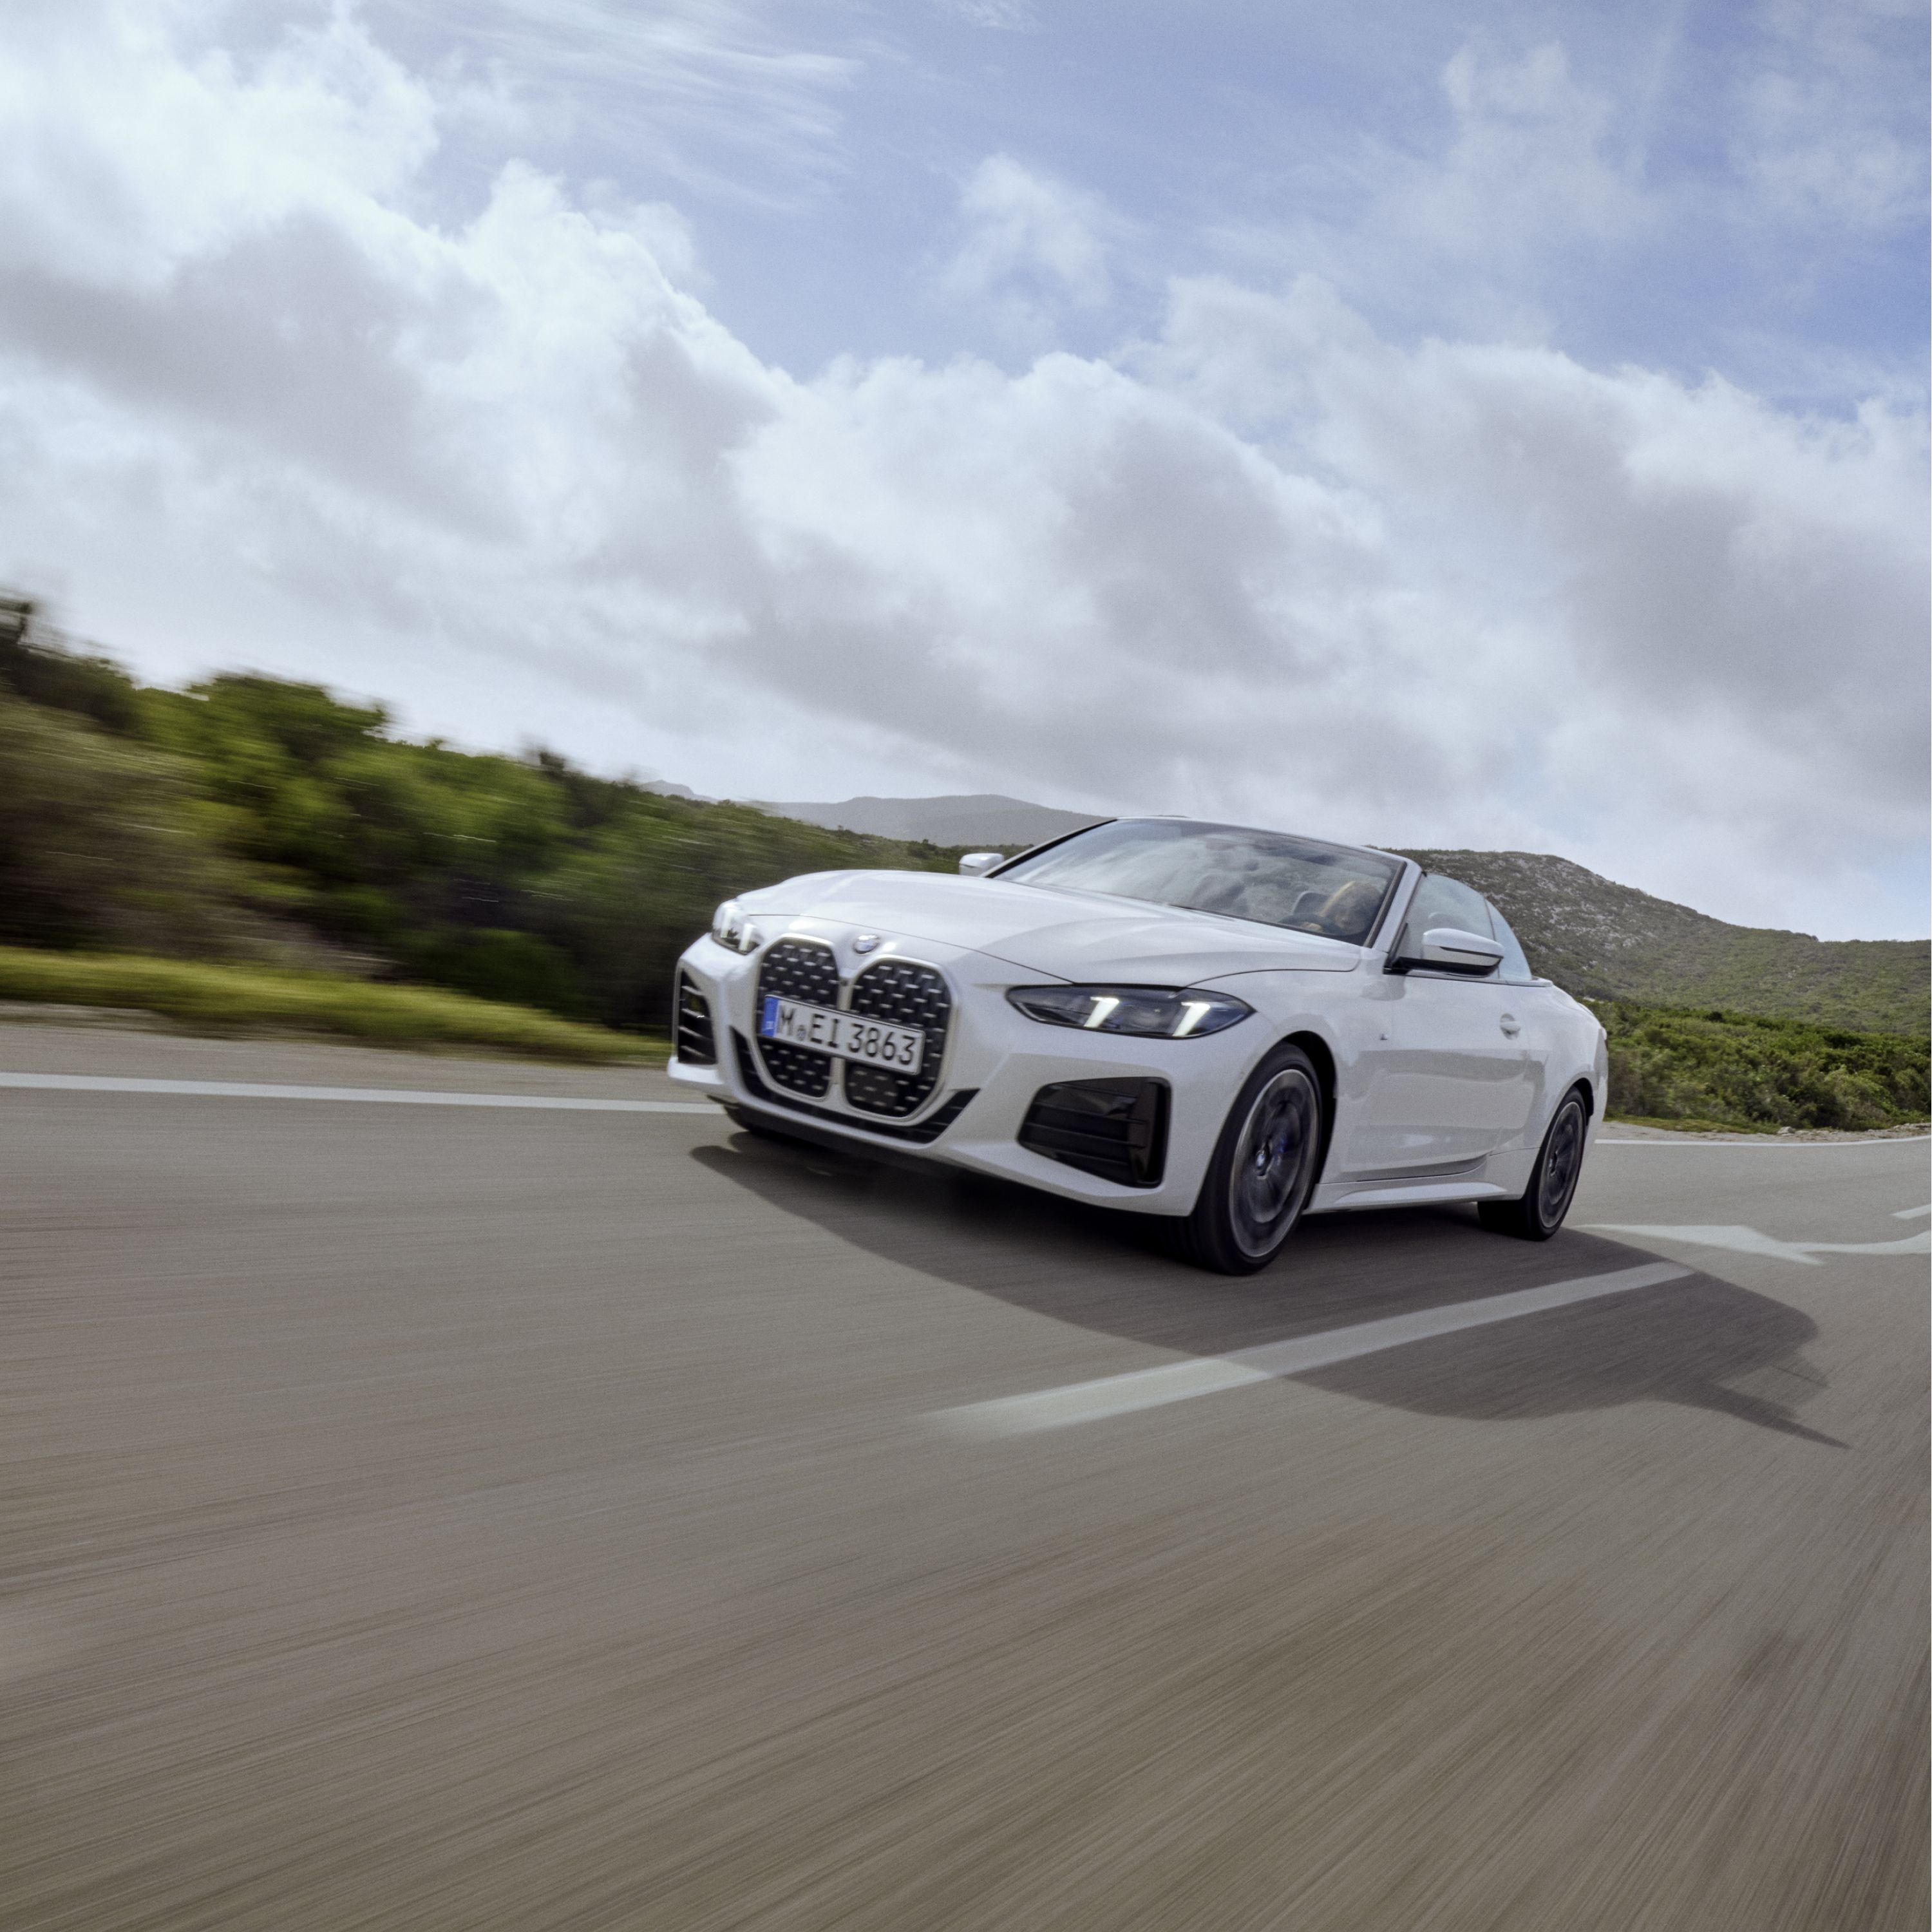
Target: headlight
x,y
1152,1012
730,927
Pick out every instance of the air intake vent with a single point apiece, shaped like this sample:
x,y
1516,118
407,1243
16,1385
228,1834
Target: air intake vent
x,y
696,1042
1116,1128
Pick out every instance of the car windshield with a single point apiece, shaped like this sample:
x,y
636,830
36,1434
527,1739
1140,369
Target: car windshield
x,y
1264,876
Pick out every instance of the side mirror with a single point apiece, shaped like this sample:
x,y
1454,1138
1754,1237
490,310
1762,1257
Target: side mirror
x,y
1447,949
975,864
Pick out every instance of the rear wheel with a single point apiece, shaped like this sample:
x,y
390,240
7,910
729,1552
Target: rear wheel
x,y
1263,1167
1539,1213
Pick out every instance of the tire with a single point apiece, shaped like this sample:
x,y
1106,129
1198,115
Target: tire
x,y
1539,1212
1263,1167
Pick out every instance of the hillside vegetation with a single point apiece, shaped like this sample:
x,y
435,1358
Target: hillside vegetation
x,y
1601,940
1737,1069
252,819
252,851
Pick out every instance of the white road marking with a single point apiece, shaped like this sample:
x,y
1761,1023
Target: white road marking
x,y
1206,1374
1739,1241
1911,1213
1913,1244
393,1096
1763,1140
1750,1241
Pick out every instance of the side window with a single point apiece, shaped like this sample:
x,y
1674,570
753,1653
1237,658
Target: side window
x,y
1514,971
1443,901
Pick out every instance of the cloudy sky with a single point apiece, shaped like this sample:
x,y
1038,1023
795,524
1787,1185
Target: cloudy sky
x,y
1500,425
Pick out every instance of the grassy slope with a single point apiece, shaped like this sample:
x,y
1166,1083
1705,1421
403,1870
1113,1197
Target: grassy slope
x,y
1603,940
221,999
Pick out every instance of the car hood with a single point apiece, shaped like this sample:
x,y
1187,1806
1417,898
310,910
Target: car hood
x,y
1065,935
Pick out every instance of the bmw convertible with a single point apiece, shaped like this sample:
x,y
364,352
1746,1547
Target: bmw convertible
x,y
1226,1027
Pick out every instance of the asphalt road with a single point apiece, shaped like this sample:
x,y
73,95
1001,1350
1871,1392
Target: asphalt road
x,y
451,1517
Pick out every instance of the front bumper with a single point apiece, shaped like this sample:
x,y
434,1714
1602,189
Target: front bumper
x,y
995,1062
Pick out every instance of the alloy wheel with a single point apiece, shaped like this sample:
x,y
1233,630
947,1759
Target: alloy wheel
x,y
1562,1162
1267,1178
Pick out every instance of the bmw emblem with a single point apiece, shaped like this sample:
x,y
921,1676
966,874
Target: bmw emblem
x,y
866,942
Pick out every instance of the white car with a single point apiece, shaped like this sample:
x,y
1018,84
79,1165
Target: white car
x,y
1228,1028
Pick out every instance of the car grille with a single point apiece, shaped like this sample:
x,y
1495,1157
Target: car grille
x,y
906,994
1117,1129
798,969
921,1134
697,1042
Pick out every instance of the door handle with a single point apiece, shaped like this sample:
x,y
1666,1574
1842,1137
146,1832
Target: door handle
x,y
1511,1026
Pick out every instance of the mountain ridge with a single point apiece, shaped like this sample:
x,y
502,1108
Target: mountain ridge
x,y
1595,937
1599,940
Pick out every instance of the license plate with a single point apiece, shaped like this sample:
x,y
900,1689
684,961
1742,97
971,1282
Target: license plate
x,y
871,1043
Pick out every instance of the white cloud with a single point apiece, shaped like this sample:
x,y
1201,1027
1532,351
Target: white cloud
x,y
1819,133
716,94
1477,226
513,473
1012,16
1034,246
200,152
1527,162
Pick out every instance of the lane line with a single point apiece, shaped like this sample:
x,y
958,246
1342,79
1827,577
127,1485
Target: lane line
x,y
1767,1140
1910,1213
1752,1241
1177,1382
1913,1244
1739,1241
393,1097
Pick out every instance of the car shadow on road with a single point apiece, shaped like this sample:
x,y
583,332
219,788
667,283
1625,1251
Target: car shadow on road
x,y
1699,1341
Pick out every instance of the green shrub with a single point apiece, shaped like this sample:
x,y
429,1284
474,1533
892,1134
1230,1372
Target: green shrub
x,y
1667,1063
100,843
490,963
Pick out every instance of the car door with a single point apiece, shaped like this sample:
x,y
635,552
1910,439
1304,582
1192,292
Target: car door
x,y
1531,1004
1448,1081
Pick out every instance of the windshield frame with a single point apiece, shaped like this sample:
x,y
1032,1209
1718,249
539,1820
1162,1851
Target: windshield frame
x,y
1400,869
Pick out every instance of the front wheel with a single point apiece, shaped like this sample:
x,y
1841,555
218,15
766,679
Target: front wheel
x,y
1539,1212
1262,1169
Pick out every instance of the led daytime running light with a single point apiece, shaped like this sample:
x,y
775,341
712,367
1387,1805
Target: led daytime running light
x,y
1145,1012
